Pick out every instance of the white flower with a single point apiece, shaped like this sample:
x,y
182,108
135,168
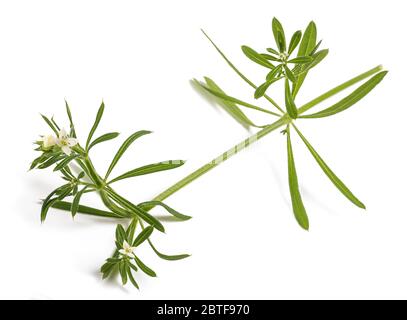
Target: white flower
x,y
66,142
48,141
127,250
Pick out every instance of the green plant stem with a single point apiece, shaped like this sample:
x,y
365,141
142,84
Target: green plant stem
x,y
338,89
223,157
284,120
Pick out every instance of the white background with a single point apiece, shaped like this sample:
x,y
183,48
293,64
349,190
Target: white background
x,y
139,57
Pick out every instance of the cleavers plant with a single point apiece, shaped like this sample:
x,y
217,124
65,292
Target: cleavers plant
x,y
289,62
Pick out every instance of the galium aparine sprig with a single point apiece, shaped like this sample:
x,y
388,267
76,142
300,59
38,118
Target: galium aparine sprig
x,y
62,150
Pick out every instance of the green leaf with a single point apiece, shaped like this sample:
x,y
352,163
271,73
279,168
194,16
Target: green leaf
x,y
60,193
131,230
65,162
261,90
137,211
96,124
126,144
65,205
316,48
301,60
289,74
295,40
76,200
143,236
256,57
107,269
131,278
132,266
120,234
273,73
151,168
279,35
275,52
316,59
307,44
103,138
237,101
167,257
72,127
144,268
57,157
335,180
289,101
270,57
123,271
230,107
150,204
298,207
351,99
50,124
43,157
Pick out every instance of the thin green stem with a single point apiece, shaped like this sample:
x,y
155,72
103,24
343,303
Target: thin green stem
x,y
223,157
338,89
241,75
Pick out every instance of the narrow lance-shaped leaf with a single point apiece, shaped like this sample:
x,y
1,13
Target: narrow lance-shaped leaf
x,y
230,107
270,57
279,35
273,73
316,59
144,268
335,180
261,90
66,206
148,169
131,278
103,138
72,127
289,101
123,271
237,101
59,193
307,44
295,40
50,124
351,99
167,257
126,144
76,200
120,234
298,207
256,57
300,60
51,161
131,230
96,124
143,236
65,162
289,74
151,204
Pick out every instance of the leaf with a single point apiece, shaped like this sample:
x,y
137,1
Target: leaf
x,y
316,59
289,101
335,180
273,73
144,268
295,40
351,99
143,236
237,101
57,157
107,269
289,74
175,213
96,124
298,207
270,57
230,107
307,44
301,60
123,271
261,90
137,211
279,35
167,257
120,234
76,200
148,169
271,50
131,278
72,127
60,193
131,230
315,48
103,138
256,57
50,124
65,205
126,144
43,157
65,162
